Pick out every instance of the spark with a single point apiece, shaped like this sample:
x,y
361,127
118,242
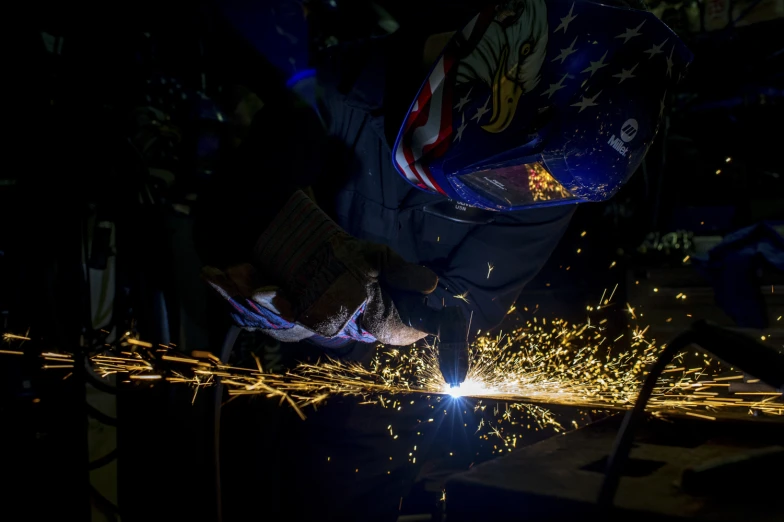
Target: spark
x,y
490,268
613,293
180,359
530,365
8,337
137,342
463,297
708,417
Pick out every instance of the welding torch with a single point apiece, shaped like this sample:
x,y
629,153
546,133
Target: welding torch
x,y
449,325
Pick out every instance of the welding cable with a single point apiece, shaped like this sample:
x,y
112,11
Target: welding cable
x,y
98,415
228,345
103,461
631,421
104,504
736,349
86,260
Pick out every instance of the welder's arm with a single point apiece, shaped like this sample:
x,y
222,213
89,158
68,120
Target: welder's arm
x,y
311,278
309,272
517,249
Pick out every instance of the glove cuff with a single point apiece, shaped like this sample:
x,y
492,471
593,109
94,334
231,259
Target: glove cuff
x,y
298,231
300,252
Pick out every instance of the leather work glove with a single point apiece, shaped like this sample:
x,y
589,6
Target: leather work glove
x,y
327,277
251,307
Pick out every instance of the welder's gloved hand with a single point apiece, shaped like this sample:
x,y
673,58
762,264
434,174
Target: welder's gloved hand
x,y
327,276
251,305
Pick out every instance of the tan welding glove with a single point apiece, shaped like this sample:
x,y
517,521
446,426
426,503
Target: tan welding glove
x,y
251,304
326,275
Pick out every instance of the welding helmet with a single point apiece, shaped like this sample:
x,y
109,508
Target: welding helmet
x,y
540,102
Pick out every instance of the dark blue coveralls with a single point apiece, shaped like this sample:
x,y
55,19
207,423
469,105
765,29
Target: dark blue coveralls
x,y
363,94
377,204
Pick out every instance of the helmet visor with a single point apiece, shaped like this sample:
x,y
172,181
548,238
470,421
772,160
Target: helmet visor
x,y
517,185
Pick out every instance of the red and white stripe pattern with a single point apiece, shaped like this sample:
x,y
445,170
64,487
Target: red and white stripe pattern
x,y
429,123
428,127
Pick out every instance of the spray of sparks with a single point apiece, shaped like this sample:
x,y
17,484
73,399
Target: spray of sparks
x,y
534,365
464,296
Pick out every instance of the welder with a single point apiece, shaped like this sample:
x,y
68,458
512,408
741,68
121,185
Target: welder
x,y
418,188
440,166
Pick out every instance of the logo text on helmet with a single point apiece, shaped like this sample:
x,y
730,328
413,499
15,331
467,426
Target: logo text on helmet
x,y
629,130
617,144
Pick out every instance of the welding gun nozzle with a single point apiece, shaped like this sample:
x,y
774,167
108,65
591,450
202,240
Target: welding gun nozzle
x,y
453,361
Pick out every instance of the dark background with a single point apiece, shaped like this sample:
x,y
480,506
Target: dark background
x,y
79,80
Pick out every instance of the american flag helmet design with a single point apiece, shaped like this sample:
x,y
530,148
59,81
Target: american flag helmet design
x,y
540,102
